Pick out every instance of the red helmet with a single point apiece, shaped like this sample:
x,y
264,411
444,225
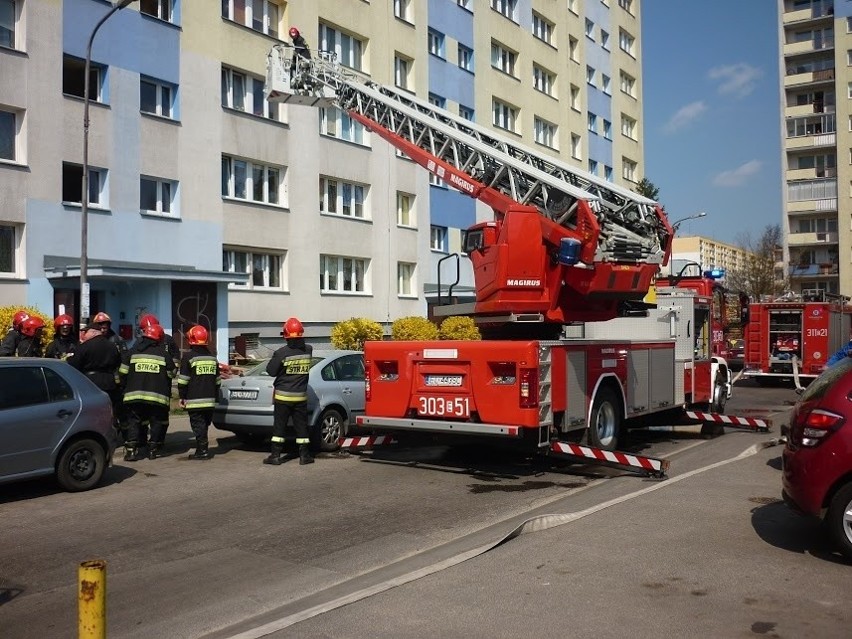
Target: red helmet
x,y
294,32
101,318
18,319
197,335
153,331
293,328
31,325
63,320
148,320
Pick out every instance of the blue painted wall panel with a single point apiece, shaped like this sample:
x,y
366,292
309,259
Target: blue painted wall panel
x,y
450,82
450,208
451,20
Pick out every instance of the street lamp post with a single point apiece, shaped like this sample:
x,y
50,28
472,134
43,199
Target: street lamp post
x,y
694,216
84,196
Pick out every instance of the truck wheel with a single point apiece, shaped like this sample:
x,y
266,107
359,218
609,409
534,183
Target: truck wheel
x,y
332,426
605,424
839,520
720,396
81,465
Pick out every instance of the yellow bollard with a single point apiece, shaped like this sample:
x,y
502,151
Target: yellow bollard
x,y
91,599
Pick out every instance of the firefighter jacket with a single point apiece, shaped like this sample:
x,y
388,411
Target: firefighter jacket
x,y
99,359
290,366
114,339
9,345
29,347
146,373
61,348
198,379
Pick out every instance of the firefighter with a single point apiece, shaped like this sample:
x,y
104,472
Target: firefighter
x,y
146,372
30,344
9,345
169,341
103,322
289,367
63,342
301,58
198,384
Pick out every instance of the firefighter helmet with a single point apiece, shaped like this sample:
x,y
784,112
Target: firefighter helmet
x,y
197,335
101,318
18,319
148,320
63,320
293,328
294,32
31,325
153,331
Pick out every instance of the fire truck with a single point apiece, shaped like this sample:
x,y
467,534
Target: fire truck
x,y
570,351
790,338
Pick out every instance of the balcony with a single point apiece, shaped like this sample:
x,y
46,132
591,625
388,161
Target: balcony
x,y
801,110
810,77
805,239
825,269
812,206
810,141
815,12
808,46
810,174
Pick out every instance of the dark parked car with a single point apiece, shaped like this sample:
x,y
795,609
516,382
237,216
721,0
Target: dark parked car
x,y
817,477
53,421
335,397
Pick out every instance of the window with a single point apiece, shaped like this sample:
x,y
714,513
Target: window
x,y
10,128
434,180
466,112
608,173
26,386
436,43
590,75
246,180
259,15
161,9
342,198
590,29
72,185
405,286
605,84
542,28
465,4
627,5
337,124
157,196
593,122
343,274
8,248
605,39
465,58
628,84
437,100
508,8
402,10
593,167
573,46
405,210
243,92
155,97
626,42
73,70
628,127
575,97
504,116
576,147
545,132
438,238
9,22
502,58
607,129
628,169
543,80
349,49
265,269
572,6
402,71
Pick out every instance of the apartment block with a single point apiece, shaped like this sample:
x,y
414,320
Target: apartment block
x,y
708,253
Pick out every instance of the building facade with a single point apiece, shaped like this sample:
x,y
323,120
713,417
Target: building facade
x,y
708,253
207,203
816,45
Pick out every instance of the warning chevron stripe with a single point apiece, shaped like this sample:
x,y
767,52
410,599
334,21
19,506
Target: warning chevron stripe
x,y
366,442
648,464
750,423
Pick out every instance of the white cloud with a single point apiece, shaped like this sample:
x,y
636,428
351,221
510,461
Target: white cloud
x,y
739,175
684,116
735,79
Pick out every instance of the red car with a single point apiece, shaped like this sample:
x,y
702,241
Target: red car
x,y
817,477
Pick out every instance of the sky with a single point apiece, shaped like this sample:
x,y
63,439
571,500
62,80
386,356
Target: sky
x,y
712,119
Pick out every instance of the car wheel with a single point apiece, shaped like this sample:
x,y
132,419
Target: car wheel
x,y
332,426
839,520
605,424
720,396
251,439
81,465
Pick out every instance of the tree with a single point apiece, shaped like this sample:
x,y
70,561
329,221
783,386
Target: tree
x,y
758,277
648,189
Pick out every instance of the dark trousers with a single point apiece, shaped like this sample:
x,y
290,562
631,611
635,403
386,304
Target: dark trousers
x,y
282,412
142,414
199,421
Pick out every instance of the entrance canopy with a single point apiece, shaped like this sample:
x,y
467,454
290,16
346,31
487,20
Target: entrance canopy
x,y
58,267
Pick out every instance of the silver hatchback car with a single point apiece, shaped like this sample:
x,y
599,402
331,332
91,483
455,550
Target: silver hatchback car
x,y
335,397
53,421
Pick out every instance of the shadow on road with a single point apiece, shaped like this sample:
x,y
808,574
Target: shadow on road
x,y
779,526
43,486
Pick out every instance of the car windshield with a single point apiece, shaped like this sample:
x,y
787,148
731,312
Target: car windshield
x,y
259,369
821,384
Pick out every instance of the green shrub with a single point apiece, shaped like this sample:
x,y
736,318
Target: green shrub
x,y
8,312
459,327
352,333
414,328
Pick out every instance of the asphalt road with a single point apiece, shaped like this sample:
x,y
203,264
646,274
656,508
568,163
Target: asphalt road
x,y
403,544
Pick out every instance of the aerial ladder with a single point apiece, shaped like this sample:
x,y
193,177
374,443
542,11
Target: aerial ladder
x,y
564,246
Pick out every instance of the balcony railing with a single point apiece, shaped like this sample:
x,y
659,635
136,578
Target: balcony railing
x,y
814,270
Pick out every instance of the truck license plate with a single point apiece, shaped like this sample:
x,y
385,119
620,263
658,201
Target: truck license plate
x,y
444,380
243,394
444,406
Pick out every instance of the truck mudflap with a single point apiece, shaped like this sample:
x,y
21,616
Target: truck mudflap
x,y
755,424
438,426
646,466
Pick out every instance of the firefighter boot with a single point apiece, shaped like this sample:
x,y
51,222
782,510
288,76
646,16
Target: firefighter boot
x,y
201,451
305,455
274,458
155,450
131,452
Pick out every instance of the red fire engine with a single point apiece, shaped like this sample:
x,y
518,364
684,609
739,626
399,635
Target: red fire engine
x,y
560,273
790,339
